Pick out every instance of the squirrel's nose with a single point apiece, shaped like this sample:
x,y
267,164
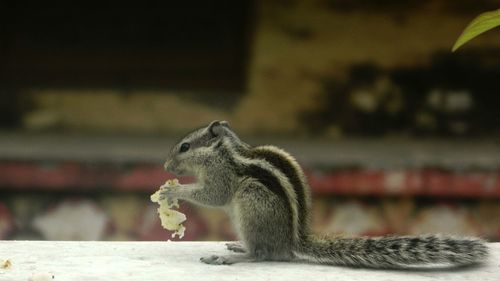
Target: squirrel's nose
x,y
166,166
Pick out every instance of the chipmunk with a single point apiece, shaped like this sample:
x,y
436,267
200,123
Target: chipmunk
x,y
265,193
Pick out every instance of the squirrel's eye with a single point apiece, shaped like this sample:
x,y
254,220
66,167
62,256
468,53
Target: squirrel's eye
x,y
184,147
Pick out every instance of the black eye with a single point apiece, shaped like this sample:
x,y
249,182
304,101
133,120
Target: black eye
x,y
184,147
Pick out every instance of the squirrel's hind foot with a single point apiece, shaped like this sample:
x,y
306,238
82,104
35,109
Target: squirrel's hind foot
x,y
236,247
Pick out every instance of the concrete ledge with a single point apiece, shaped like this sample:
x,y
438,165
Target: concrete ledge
x,y
379,153
180,261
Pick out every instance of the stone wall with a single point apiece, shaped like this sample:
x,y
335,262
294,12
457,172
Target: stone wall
x,y
299,49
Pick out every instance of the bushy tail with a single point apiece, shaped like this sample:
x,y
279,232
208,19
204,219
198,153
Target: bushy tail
x,y
393,251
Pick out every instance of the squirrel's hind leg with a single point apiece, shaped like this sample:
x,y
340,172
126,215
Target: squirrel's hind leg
x,y
236,247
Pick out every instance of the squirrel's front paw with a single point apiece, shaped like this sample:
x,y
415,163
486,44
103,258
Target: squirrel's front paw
x,y
171,194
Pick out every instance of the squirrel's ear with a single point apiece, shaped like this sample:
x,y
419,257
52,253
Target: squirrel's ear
x,y
225,124
216,128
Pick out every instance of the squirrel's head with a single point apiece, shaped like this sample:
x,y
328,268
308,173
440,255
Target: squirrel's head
x,y
198,149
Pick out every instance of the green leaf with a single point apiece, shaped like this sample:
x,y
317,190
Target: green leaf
x,y
482,23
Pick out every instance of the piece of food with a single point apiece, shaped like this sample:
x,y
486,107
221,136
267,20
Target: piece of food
x,y
6,264
170,219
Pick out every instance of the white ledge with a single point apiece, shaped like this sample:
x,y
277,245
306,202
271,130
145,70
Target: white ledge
x,y
180,261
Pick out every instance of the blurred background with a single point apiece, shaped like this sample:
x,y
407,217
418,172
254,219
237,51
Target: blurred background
x,y
396,133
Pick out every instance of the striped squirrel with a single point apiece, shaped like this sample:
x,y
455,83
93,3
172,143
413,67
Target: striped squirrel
x,y
266,195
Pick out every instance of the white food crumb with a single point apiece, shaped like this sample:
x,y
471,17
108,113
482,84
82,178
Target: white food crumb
x,y
170,219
